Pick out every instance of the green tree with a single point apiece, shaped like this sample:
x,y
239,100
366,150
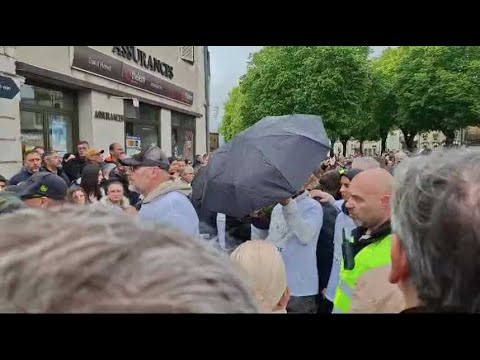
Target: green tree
x,y
436,88
233,121
382,103
330,81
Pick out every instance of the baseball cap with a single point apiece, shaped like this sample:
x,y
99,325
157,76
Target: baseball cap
x,y
151,156
93,152
41,184
350,173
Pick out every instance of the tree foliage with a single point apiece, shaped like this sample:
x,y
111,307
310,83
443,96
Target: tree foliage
x,y
438,88
413,88
329,81
233,122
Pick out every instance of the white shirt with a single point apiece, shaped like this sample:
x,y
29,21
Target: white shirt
x,y
294,229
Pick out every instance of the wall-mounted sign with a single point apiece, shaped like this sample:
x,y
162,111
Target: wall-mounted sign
x,y
144,60
8,88
109,116
98,63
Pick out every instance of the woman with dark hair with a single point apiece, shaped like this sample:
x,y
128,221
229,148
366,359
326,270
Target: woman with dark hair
x,y
329,182
90,182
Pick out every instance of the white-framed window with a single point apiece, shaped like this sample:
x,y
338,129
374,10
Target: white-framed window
x,y
187,53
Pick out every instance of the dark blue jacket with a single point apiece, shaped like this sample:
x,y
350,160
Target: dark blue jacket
x,y
60,172
18,178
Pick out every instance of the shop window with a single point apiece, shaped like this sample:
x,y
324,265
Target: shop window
x,y
42,97
183,136
141,127
47,118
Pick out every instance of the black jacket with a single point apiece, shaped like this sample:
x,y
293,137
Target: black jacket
x,y
73,168
238,230
207,218
325,245
361,240
61,173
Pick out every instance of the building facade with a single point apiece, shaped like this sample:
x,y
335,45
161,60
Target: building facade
x,y
137,96
396,142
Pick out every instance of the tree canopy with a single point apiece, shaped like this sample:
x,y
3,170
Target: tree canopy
x,y
412,88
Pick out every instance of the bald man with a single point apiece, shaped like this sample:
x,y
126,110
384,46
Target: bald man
x,y
367,250
369,201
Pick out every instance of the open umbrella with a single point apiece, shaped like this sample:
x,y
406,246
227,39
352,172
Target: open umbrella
x,y
264,164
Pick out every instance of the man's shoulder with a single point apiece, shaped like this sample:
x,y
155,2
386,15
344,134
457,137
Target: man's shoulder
x,y
21,175
173,196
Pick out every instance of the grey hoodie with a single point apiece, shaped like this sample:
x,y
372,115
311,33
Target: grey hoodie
x,y
167,205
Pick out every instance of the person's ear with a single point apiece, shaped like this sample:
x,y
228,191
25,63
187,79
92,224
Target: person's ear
x,y
400,269
385,201
44,202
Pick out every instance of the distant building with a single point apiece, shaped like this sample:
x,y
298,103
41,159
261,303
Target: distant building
x,y
396,142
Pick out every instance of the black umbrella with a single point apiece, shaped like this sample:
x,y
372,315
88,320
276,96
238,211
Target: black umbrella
x,y
264,164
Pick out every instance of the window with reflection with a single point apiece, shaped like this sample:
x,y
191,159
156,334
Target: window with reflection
x,y
183,136
46,118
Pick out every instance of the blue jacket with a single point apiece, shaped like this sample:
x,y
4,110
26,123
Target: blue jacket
x,y
168,205
19,177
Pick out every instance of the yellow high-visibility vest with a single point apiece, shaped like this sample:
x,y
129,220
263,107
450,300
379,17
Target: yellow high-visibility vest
x,y
370,257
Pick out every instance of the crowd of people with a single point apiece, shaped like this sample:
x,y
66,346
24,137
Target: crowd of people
x,y
385,234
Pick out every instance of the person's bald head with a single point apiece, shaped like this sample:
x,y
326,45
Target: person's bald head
x,y
370,193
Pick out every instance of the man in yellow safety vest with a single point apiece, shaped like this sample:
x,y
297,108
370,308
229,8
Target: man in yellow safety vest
x,y
369,246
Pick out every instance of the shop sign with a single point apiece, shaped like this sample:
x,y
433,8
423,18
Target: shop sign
x,y
96,62
8,88
109,116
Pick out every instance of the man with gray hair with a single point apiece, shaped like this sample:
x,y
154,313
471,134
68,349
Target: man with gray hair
x,y
163,202
91,261
436,241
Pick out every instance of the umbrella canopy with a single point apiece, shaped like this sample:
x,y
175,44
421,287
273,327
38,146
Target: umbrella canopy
x,y
264,164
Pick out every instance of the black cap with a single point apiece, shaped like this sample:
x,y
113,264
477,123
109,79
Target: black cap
x,y
152,156
350,173
3,179
41,184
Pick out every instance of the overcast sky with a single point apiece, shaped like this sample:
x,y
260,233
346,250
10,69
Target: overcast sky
x,y
227,65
